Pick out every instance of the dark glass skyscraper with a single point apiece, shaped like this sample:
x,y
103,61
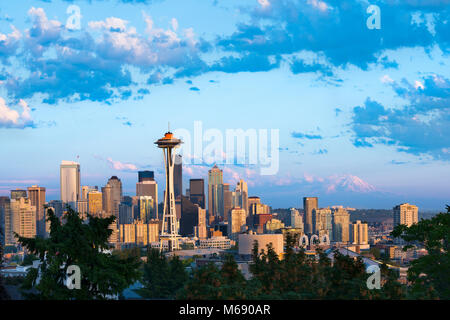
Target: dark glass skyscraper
x,y
146,176
178,176
197,192
309,203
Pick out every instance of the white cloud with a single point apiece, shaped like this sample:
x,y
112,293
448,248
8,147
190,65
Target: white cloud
x,y
386,79
10,118
120,166
264,3
418,85
322,6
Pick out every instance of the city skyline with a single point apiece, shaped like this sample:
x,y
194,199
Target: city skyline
x,y
363,126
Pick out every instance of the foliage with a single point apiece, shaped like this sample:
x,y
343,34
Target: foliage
x,y
430,274
81,243
163,277
28,260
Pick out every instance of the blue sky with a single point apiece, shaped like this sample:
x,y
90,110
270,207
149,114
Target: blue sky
x,y
363,114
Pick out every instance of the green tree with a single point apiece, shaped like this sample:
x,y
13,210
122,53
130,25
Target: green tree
x,y
233,283
162,277
430,274
204,284
81,243
28,260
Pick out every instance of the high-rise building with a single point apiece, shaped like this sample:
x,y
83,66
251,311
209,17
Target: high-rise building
x,y
126,211
227,200
273,225
139,233
112,196
22,220
259,208
148,188
85,190
236,222
359,233
252,200
341,221
296,219
18,193
95,202
406,214
178,176
241,196
146,176
70,182
4,215
57,207
83,208
37,197
309,203
322,220
146,207
193,219
197,192
258,221
215,193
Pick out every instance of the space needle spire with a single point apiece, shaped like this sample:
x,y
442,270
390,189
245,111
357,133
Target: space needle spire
x,y
169,230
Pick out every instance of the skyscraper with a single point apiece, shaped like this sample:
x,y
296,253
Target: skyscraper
x,y
296,219
148,187
37,197
193,219
341,221
70,182
406,213
112,196
359,233
178,176
215,193
322,222
309,203
227,200
197,192
17,194
85,190
4,218
95,202
242,195
22,220
146,207
146,176
236,222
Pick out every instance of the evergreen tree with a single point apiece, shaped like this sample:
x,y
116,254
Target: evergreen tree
x,y
430,274
162,277
81,243
233,282
205,284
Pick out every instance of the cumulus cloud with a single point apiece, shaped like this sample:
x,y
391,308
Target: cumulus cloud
x,y
94,64
420,127
11,118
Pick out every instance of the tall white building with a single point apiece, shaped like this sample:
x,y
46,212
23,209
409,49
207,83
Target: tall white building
x,y
296,219
70,182
359,232
406,213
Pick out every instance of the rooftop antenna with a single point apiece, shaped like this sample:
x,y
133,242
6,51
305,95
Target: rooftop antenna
x,y
168,126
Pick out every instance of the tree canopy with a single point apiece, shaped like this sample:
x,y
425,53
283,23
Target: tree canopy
x,y
81,243
430,274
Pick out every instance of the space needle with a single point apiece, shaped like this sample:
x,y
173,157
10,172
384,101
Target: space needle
x,y
169,230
